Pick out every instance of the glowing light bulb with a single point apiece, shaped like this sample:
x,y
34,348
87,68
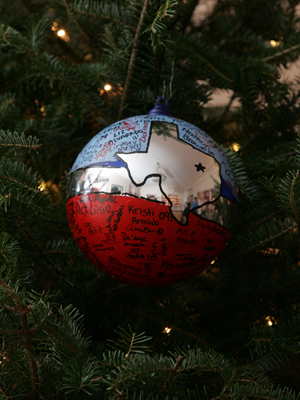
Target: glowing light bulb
x,y
269,321
274,43
61,33
43,186
167,330
235,146
107,87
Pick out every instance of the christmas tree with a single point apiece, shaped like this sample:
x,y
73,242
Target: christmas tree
x,y
69,69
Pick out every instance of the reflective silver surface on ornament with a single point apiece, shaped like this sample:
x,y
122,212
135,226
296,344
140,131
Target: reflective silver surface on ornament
x,y
170,171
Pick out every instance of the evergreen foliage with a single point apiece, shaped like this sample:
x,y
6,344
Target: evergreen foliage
x,y
67,331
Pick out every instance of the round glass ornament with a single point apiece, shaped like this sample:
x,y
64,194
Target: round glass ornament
x,y
148,197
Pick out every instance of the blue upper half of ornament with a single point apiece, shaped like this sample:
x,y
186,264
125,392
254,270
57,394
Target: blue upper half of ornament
x,y
112,147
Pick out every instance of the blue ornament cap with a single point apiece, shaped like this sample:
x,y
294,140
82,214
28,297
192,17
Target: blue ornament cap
x,y
162,107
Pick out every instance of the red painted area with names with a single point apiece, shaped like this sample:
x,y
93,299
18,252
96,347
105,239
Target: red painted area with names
x,y
139,242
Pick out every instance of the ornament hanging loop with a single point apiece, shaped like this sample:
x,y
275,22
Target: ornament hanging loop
x,y
164,89
171,80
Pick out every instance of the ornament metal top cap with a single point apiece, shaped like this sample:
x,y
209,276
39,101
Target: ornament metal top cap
x,y
162,107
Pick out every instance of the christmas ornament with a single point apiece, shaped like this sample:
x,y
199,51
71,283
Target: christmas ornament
x,y
145,198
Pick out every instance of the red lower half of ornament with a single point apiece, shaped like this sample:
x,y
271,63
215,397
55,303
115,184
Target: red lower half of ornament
x,y
140,242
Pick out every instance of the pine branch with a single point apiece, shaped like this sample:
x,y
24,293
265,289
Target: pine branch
x,y
130,347
134,375
292,197
227,108
259,243
229,382
288,194
230,34
257,392
68,330
19,179
221,75
55,335
131,343
200,340
3,392
40,251
21,310
16,140
133,58
172,375
166,10
32,330
68,8
214,69
282,53
82,375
